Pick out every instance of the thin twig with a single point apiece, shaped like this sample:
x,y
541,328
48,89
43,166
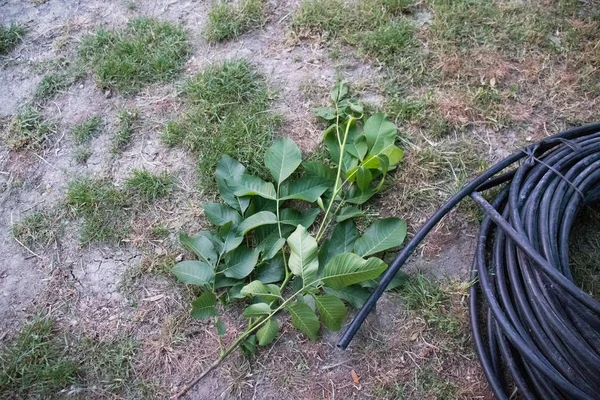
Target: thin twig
x,y
28,249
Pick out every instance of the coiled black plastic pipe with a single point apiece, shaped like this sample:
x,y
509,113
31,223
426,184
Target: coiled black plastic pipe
x,y
540,328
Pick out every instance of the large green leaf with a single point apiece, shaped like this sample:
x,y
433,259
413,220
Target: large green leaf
x,y
347,269
228,173
339,91
257,310
307,189
327,113
383,234
268,332
348,213
393,154
357,196
270,243
282,158
271,271
220,214
232,237
303,261
358,147
289,216
240,262
256,220
194,273
363,177
317,169
202,246
304,319
250,185
355,295
380,133
204,306
257,288
332,311
342,241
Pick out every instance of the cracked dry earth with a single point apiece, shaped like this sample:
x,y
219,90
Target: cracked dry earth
x,y
98,291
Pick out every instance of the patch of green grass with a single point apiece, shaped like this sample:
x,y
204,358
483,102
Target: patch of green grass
x,y
424,297
146,51
109,365
38,229
435,386
122,138
103,209
50,85
10,36
85,131
227,113
81,154
391,43
227,20
28,129
36,363
397,7
148,186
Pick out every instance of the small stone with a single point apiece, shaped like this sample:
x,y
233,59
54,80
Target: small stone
x,y
179,258
529,138
108,94
81,86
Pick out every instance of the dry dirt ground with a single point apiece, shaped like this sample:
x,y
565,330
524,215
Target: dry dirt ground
x,y
107,292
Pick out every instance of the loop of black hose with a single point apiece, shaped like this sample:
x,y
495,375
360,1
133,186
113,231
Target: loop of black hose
x,y
529,320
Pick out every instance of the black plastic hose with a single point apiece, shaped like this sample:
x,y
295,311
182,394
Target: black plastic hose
x,y
532,322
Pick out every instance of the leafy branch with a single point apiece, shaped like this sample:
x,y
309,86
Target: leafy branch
x,y
272,256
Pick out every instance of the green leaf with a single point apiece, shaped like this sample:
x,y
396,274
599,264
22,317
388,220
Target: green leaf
x,y
257,310
240,262
234,292
201,246
380,133
317,169
221,327
303,260
222,281
357,196
204,306
194,273
232,238
358,147
304,319
271,271
228,173
268,332
307,189
282,159
363,177
339,91
289,216
347,269
256,220
348,212
215,239
327,113
258,204
332,311
250,185
342,241
270,244
381,235
257,288
220,214
355,295
394,156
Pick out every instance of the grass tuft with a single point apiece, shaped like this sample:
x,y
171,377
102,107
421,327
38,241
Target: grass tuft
x,y
10,36
227,113
50,85
38,229
228,21
122,138
148,186
103,209
390,42
36,364
82,154
85,131
28,129
146,51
